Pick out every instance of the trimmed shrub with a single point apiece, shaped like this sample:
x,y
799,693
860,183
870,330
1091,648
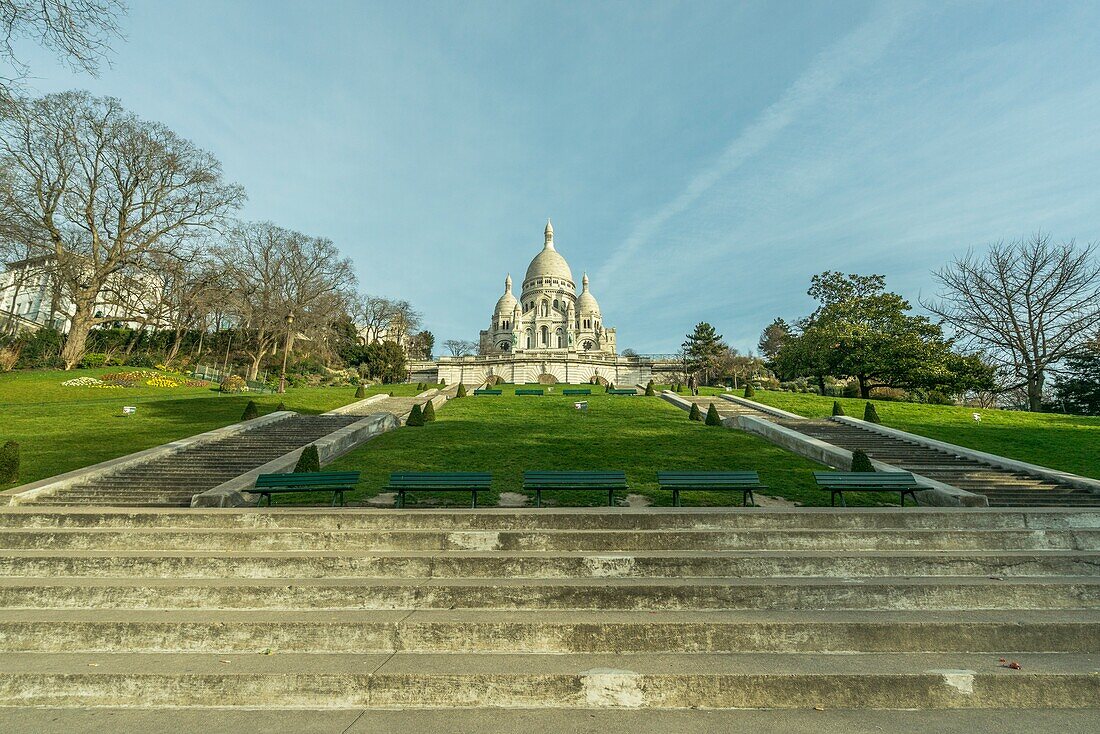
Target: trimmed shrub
x,y
280,406
861,462
416,417
713,419
94,359
695,414
360,392
442,382
461,393
429,412
250,411
610,387
750,392
649,389
838,409
870,414
309,461
678,388
233,383
9,462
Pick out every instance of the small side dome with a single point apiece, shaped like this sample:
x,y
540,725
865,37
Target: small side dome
x,y
507,302
586,302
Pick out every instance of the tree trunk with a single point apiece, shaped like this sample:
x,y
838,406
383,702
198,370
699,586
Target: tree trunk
x,y
1035,391
175,348
821,384
79,326
864,388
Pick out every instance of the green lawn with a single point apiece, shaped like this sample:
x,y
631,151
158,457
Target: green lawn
x,y
508,434
64,428
1066,442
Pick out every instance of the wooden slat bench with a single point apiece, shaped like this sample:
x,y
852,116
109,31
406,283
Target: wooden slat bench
x,y
529,391
336,482
488,392
461,481
839,482
622,391
711,481
576,391
541,481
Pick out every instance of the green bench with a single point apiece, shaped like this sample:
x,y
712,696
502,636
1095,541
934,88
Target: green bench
x,y
488,392
336,482
622,391
711,481
462,481
528,391
839,482
576,391
541,481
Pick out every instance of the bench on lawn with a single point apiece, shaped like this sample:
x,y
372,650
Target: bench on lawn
x,y
839,482
459,481
336,482
529,391
622,391
576,391
711,481
487,391
541,481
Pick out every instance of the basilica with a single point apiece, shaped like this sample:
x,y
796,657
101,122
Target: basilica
x,y
548,315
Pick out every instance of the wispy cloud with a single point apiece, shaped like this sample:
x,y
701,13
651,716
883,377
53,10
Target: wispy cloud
x,y
858,49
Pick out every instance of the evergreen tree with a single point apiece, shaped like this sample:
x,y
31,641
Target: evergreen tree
x,y
838,409
773,338
416,416
861,462
713,418
870,414
9,462
750,391
361,391
308,461
429,412
1079,390
250,411
649,389
281,406
695,414
461,393
703,348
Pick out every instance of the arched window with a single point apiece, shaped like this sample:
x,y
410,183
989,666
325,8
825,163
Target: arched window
x,y
530,339
560,338
555,303
544,337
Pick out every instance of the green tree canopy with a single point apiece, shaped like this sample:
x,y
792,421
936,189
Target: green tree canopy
x,y
1078,391
703,349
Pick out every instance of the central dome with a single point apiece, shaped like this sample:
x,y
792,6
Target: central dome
x,y
549,263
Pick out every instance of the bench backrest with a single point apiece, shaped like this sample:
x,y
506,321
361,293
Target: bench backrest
x,y
308,479
865,479
427,480
704,478
573,478
576,391
623,391
528,392
488,392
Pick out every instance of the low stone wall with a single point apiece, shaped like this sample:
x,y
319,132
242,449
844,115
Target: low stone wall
x,y
777,412
329,448
45,487
996,460
357,405
937,494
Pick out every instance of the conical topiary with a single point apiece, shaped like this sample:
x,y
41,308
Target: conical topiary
x,y
838,409
308,461
870,414
750,391
9,462
360,392
861,462
429,412
442,382
250,411
461,393
695,414
280,406
713,419
649,389
678,388
416,417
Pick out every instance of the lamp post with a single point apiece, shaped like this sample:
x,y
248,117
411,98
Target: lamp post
x,y
286,352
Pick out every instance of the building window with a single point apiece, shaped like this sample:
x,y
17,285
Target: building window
x,y
561,338
555,303
530,339
544,336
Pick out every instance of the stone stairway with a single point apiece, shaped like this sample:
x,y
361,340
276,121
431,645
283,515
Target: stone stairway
x,y
726,408
550,611
1002,487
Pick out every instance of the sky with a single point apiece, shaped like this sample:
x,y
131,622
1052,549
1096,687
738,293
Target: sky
x,y
700,160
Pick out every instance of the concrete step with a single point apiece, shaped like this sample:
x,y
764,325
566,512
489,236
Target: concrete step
x,y
245,539
545,631
415,680
466,565
880,593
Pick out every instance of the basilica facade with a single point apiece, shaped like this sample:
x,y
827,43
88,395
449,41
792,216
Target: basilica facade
x,y
549,316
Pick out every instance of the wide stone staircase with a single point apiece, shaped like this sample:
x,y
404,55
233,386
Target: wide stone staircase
x,y
550,611
1002,487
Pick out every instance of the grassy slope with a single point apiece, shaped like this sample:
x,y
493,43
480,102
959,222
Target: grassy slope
x,y
509,434
63,428
1066,442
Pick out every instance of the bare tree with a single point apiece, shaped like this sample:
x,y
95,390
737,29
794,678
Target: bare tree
x,y
100,190
1026,304
386,319
79,32
460,347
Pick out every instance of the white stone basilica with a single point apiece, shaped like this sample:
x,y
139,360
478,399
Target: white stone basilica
x,y
549,315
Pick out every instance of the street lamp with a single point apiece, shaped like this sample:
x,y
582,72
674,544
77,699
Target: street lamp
x,y
286,352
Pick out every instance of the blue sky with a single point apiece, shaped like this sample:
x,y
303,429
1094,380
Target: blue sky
x,y
701,160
